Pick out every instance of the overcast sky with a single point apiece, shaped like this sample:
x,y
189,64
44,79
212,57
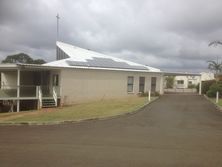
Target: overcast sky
x,y
167,34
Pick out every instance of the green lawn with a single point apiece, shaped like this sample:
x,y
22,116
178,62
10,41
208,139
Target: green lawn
x,y
219,101
83,111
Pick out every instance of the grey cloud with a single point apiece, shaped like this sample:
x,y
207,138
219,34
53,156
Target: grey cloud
x,y
172,34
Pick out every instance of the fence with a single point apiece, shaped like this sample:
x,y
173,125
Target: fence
x,y
180,90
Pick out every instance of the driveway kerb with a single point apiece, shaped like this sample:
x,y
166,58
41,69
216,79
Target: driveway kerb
x,y
219,108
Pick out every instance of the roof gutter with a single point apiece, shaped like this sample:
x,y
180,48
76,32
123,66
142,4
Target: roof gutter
x,y
180,74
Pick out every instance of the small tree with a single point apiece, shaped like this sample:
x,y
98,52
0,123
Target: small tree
x,y
169,81
22,58
38,61
215,43
215,66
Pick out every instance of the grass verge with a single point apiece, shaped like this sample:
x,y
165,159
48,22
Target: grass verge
x,y
214,101
77,112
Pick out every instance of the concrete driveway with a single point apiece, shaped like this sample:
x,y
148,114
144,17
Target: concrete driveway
x,y
176,130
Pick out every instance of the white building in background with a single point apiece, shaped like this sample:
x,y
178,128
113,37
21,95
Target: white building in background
x,y
206,76
183,82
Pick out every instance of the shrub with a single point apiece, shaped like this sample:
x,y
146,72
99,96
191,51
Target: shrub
x,y
205,86
145,94
214,88
156,94
169,81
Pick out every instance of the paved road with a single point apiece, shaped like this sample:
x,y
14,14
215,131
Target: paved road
x,y
176,130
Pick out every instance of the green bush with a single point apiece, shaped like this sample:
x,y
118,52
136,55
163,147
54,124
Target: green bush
x,y
214,88
145,94
156,94
205,86
169,81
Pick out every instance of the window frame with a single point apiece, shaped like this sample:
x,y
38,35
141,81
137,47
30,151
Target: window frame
x,y
153,84
129,84
142,84
178,82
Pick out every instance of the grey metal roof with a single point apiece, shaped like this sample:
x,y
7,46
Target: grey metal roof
x,y
105,63
69,56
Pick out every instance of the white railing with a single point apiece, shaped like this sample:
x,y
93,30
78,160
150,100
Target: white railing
x,y
25,91
30,92
39,96
54,95
3,84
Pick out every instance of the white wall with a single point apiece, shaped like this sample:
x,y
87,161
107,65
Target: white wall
x,y
82,84
194,79
205,76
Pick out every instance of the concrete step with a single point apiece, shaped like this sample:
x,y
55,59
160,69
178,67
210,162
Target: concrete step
x,y
48,103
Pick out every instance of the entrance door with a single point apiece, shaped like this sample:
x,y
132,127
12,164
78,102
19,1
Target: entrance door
x,y
153,84
41,78
46,89
55,80
37,78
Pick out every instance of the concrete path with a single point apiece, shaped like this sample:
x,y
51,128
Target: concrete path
x,y
176,130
